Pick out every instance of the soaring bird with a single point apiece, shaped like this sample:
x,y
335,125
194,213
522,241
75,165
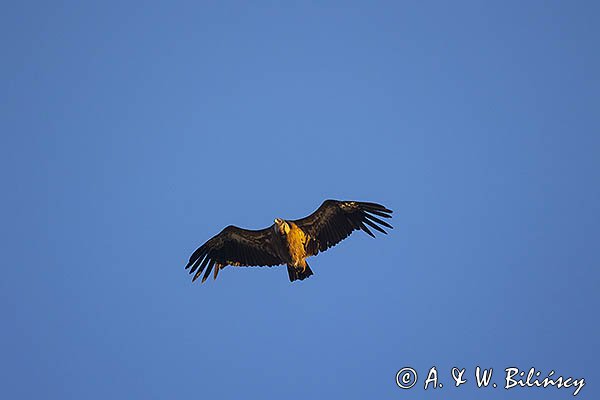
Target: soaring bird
x,y
288,242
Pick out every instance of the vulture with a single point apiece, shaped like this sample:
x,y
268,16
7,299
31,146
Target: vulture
x,y
288,242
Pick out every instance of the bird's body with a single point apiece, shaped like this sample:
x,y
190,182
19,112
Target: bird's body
x,y
288,242
294,243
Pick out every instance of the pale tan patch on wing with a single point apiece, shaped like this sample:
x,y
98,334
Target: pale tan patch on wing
x,y
233,263
217,268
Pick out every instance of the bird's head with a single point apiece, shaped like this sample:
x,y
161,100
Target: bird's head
x,y
281,226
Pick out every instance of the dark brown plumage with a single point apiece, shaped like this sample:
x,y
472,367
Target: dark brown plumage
x,y
288,242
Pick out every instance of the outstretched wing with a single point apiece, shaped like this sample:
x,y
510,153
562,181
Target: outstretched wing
x,y
234,246
335,220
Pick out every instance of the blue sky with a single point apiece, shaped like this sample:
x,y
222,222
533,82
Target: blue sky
x,y
133,133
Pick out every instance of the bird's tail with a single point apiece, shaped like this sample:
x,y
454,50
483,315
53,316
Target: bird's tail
x,y
297,273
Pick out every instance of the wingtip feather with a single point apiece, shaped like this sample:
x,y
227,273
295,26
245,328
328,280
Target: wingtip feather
x,y
374,226
379,221
208,271
364,228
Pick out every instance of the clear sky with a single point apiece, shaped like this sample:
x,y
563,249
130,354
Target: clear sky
x,y
132,132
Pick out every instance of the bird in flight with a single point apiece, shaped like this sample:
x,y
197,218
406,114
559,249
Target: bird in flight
x,y
288,242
